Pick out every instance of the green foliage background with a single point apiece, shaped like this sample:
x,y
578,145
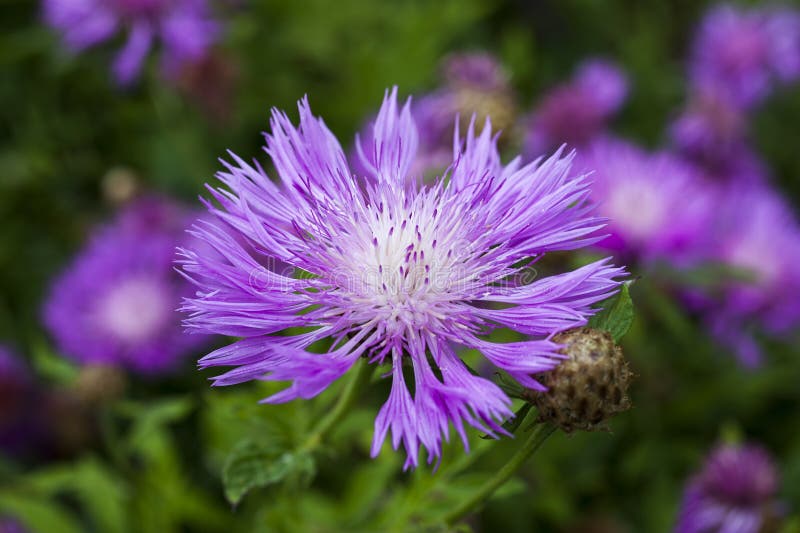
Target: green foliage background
x,y
159,464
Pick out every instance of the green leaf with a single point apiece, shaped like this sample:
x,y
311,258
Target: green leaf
x,y
253,465
103,496
616,315
38,516
150,420
51,365
92,484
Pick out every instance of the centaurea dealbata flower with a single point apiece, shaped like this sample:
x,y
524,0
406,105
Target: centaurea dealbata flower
x,y
734,492
184,28
115,303
393,271
742,53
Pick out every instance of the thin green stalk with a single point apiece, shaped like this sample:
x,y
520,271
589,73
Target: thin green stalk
x,y
115,448
538,435
361,374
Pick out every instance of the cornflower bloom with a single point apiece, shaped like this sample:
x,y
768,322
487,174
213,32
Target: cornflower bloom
x,y
757,233
21,427
578,111
657,206
184,28
392,271
741,53
735,491
116,302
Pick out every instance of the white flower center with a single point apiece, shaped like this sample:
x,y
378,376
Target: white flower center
x,y
637,208
405,261
756,256
135,310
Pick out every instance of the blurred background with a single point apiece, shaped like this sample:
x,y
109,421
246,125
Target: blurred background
x,y
114,114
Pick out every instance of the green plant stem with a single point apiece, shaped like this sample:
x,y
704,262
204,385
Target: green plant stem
x,y
115,448
538,435
361,374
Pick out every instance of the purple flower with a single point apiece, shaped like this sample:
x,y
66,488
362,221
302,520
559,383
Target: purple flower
x,y
757,233
15,392
184,28
392,271
605,81
711,127
116,302
734,492
577,111
8,525
711,133
478,70
473,84
739,53
656,205
21,428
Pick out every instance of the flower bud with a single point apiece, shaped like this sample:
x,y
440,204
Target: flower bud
x,y
98,384
589,387
120,185
499,106
480,86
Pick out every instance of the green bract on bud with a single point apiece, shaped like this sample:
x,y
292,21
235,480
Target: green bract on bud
x,y
588,388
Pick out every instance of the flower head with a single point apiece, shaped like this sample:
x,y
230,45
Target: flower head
x,y
710,128
21,428
184,28
711,134
577,112
392,271
14,377
756,233
655,202
740,53
8,525
734,491
116,302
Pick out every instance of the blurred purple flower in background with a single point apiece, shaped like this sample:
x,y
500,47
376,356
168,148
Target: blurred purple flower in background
x,y
184,28
734,492
738,56
757,233
472,84
711,130
741,53
397,271
116,302
476,70
656,205
20,425
711,134
8,525
578,111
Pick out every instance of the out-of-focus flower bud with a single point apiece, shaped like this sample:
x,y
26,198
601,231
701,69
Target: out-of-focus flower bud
x,y
120,185
99,384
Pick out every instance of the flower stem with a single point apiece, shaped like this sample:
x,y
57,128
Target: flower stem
x,y
538,435
362,372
